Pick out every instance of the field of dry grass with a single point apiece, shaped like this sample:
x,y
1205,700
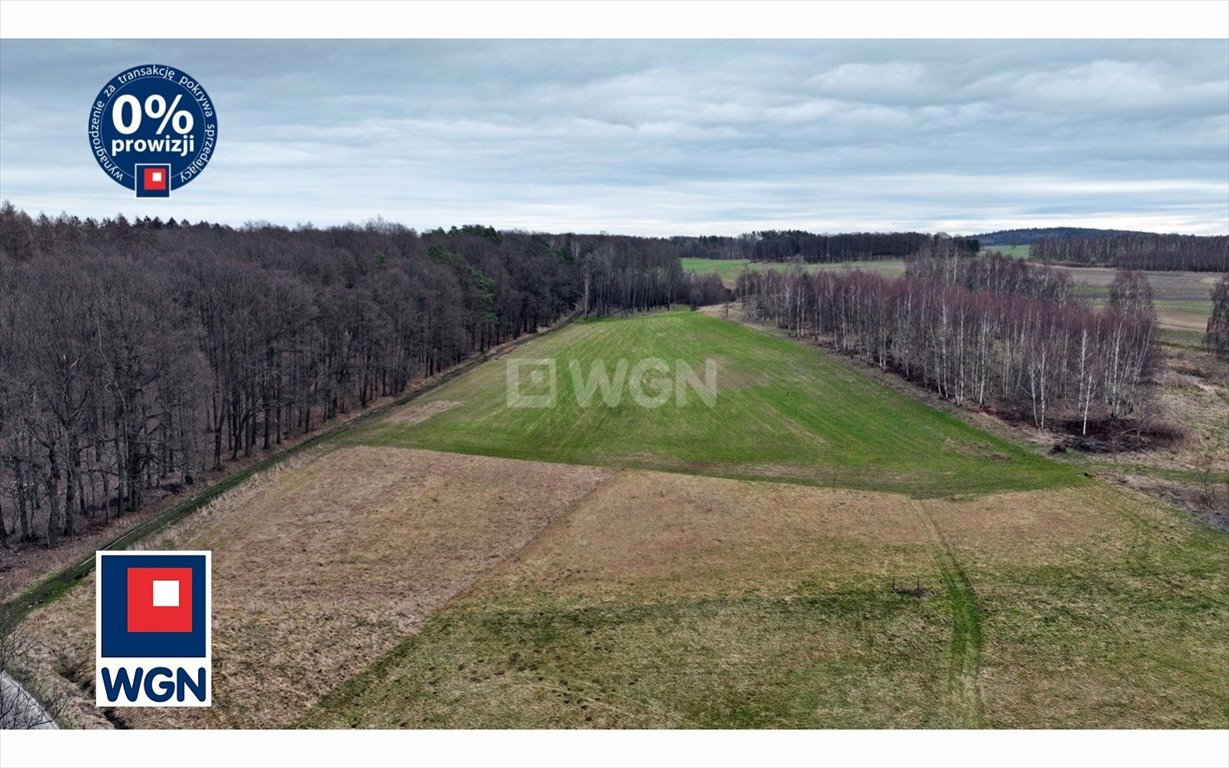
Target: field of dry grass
x,y
1183,299
756,604
324,564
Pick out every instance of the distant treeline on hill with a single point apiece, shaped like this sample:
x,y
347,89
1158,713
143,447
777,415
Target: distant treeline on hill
x,y
1063,245
796,245
1137,250
1030,234
137,354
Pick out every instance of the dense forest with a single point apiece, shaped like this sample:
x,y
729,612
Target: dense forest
x,y
1137,250
796,245
138,354
1028,235
979,332
1062,245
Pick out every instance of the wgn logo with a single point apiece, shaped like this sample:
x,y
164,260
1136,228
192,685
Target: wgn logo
x,y
152,647
650,382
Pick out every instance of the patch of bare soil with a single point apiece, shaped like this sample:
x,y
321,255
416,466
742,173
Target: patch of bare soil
x,y
320,567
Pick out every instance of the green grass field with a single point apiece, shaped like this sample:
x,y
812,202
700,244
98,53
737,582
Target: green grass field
x,y
783,411
730,269
1014,251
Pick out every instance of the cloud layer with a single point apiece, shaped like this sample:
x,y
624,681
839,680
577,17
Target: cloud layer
x,y
656,137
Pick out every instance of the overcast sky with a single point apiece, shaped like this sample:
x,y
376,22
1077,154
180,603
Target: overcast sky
x,y
655,137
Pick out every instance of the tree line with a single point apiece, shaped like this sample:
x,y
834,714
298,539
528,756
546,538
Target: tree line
x,y
796,245
1137,250
980,334
1217,337
136,355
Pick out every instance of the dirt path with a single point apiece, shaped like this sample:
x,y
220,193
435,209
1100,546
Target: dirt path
x,y
964,686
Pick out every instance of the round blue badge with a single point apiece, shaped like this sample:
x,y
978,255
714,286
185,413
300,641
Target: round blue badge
x,y
153,128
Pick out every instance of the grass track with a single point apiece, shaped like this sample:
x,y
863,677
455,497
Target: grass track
x,y
964,684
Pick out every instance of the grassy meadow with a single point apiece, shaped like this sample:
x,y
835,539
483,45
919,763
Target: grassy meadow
x,y
1014,251
730,269
782,411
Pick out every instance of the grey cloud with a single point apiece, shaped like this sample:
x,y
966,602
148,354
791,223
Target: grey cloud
x,y
657,137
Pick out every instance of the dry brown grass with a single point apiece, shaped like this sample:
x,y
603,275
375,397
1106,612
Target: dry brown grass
x,y
1033,527
1099,608
663,535
669,600
321,566
592,599
1193,392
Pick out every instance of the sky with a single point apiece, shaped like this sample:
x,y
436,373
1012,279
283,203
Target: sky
x,y
655,137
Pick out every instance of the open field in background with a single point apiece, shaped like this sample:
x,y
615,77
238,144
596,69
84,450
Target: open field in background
x,y
1014,251
371,583
783,411
730,269
1183,299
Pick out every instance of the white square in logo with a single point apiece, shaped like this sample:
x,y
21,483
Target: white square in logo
x,y
166,594
531,383
157,176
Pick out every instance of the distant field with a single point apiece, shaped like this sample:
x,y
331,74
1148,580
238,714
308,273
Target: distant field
x,y
1183,300
783,411
1014,251
730,269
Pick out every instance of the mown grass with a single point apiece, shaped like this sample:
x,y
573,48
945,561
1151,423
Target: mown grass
x,y
783,411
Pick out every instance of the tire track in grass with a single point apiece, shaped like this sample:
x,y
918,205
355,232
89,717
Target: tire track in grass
x,y
964,668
